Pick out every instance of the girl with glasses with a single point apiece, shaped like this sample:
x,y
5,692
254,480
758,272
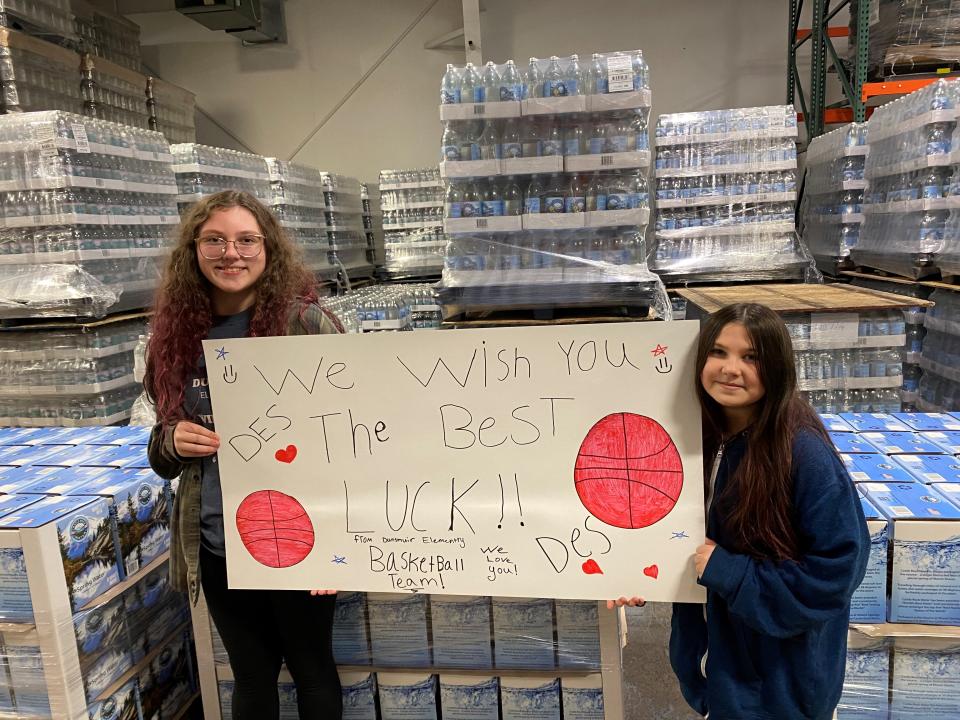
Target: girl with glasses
x,y
234,273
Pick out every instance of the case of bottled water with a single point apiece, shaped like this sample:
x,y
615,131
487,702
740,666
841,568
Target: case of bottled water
x,y
832,210
110,36
88,208
940,360
343,215
726,183
204,170
372,222
41,17
297,201
113,92
851,362
547,199
172,110
68,365
412,204
408,306
913,176
608,81
37,75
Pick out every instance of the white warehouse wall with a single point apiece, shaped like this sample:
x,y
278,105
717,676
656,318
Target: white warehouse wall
x,y
703,54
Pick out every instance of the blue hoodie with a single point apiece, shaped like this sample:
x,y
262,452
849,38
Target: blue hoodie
x,y
776,631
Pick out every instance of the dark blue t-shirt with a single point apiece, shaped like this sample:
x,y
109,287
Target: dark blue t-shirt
x,y
196,404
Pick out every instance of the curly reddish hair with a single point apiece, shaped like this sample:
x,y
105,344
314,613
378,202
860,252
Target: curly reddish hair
x,y
182,310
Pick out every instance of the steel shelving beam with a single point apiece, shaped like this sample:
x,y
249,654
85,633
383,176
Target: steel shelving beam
x,y
820,35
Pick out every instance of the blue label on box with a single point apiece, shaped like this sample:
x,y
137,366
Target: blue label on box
x,y
949,440
951,491
902,443
931,468
874,468
929,421
846,442
906,501
835,423
874,422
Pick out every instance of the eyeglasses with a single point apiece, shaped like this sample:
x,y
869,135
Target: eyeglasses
x,y
214,247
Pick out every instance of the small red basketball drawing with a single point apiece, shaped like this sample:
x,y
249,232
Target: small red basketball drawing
x,y
274,528
628,471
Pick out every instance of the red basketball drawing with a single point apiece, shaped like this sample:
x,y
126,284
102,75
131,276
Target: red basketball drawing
x,y
274,528
628,472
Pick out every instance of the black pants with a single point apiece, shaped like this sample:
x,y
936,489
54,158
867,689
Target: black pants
x,y
261,629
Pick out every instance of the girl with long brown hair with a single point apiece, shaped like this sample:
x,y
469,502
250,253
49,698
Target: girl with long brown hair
x,y
786,543
233,273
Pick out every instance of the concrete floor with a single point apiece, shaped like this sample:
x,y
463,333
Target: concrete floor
x,y
650,687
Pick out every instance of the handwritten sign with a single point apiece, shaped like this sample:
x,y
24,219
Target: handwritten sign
x,y
527,462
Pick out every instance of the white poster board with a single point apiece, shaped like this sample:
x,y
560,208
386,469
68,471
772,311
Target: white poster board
x,y
560,461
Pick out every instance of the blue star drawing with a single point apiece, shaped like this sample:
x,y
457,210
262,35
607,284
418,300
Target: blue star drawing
x,y
339,560
680,535
222,353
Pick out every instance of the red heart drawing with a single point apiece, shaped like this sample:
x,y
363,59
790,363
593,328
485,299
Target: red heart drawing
x,y
590,567
651,571
288,455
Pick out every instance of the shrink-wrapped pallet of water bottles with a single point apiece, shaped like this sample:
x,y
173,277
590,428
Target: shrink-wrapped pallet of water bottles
x,y
726,184
546,199
911,206
831,214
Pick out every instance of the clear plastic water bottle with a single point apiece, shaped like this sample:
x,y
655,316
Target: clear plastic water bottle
x,y
511,83
492,205
597,137
471,203
897,322
933,183
450,86
532,198
490,148
576,200
938,139
638,130
574,141
641,72
618,194
510,146
553,139
471,85
554,80
599,84
574,77
491,83
530,138
894,363
512,198
941,100
911,378
914,338
533,81
555,196
453,202
596,193
469,138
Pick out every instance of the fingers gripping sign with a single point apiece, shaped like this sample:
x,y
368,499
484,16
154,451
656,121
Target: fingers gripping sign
x,y
194,441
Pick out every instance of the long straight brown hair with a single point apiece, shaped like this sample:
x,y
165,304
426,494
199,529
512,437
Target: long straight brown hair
x,y
756,505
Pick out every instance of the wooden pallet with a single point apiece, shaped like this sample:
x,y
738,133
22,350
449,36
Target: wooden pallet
x,y
944,282
834,297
